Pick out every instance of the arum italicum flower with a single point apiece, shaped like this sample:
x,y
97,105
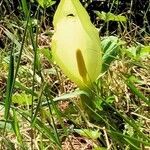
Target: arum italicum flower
x,y
76,43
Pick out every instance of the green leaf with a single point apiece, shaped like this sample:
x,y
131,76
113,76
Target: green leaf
x,y
68,96
138,52
144,51
13,38
22,99
71,95
111,47
110,17
92,134
46,3
131,52
8,125
47,53
22,87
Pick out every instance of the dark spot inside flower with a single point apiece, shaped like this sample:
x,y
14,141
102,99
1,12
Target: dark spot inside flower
x,y
70,15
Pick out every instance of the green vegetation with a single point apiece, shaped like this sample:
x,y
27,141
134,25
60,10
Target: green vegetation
x,y
40,107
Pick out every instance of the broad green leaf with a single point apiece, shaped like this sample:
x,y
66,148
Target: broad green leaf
x,y
110,17
92,134
22,99
71,95
68,96
111,47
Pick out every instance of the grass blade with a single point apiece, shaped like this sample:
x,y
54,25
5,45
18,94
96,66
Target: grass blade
x,y
9,86
137,92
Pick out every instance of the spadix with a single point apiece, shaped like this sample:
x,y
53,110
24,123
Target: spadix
x,y
76,44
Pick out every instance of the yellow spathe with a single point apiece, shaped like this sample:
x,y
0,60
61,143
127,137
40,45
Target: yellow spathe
x,y
76,44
